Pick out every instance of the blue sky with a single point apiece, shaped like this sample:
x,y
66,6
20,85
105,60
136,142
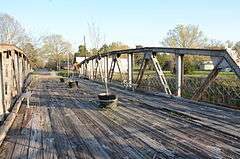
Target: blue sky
x,y
133,22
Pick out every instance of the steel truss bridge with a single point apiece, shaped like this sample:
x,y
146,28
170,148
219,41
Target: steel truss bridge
x,y
91,67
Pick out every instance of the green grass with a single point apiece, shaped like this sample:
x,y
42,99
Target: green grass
x,y
227,75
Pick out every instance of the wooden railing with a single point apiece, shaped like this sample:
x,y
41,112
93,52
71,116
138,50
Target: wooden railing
x,y
14,68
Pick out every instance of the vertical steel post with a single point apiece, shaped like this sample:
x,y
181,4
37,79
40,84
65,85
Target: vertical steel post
x,y
82,69
179,73
106,68
130,69
92,70
86,69
68,66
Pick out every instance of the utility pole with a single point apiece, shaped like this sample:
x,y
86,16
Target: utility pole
x,y
84,41
68,65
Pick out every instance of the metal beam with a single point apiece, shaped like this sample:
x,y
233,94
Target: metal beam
x,y
212,75
148,56
112,67
119,69
144,64
185,51
233,64
220,53
160,74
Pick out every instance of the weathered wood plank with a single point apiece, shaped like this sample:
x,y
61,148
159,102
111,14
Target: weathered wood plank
x,y
61,142
13,135
49,150
67,123
116,140
214,114
22,144
35,144
155,109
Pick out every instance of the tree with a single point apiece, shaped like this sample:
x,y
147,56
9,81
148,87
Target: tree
x,y
56,50
33,55
104,49
236,47
11,31
82,51
96,38
215,44
166,61
229,44
114,46
187,36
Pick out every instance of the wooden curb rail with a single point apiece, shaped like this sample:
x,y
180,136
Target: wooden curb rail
x,y
4,128
10,119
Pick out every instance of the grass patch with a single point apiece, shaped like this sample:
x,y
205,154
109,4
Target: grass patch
x,y
64,73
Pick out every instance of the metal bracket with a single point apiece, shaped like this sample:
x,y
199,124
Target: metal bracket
x,y
148,56
212,75
112,67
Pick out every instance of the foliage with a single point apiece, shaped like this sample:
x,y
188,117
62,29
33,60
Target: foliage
x,y
64,73
215,44
36,60
166,61
236,47
114,46
93,51
187,36
55,50
77,54
11,31
82,51
103,49
189,66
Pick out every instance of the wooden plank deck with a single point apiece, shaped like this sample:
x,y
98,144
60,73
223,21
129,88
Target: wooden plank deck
x,y
66,123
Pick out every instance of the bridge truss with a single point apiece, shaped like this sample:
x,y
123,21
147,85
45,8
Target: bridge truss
x,y
90,67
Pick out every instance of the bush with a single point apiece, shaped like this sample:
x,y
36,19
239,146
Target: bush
x,y
64,73
189,67
169,66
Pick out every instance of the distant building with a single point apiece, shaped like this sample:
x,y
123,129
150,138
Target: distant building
x,y
206,65
79,59
209,65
